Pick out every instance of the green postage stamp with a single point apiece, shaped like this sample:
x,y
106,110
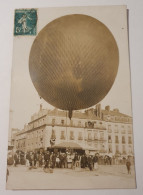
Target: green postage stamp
x,y
25,22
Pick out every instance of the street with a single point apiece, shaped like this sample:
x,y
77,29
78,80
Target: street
x,y
106,177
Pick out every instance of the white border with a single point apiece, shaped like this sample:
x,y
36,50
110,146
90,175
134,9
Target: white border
x,y
136,54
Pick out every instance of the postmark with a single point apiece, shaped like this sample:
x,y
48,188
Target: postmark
x,y
25,22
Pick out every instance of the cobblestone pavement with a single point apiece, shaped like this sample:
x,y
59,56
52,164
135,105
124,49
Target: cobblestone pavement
x,y
105,177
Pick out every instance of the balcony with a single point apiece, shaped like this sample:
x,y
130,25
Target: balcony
x,y
89,139
62,138
101,139
71,137
80,138
102,151
102,127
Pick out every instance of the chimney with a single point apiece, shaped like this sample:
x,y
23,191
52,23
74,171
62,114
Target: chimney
x,y
107,108
98,110
116,110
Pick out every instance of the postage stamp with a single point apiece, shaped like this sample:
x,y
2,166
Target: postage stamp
x,y
25,22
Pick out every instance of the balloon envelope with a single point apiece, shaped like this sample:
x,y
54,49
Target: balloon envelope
x,y
73,62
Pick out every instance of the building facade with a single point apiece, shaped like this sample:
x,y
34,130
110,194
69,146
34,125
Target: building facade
x,y
95,130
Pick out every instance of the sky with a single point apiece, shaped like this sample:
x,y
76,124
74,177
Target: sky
x,y
25,100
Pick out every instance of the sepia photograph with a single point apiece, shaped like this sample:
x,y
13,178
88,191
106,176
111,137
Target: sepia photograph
x,y
71,123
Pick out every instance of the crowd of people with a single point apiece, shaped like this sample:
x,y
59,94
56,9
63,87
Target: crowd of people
x,y
51,160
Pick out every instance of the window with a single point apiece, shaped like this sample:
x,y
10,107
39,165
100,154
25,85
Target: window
x,y
123,149
123,130
80,136
116,139
129,130
102,136
102,147
71,135
109,139
116,128
89,136
79,123
62,122
110,148
130,149
109,129
95,135
117,149
90,124
123,139
129,140
53,134
62,135
53,121
95,145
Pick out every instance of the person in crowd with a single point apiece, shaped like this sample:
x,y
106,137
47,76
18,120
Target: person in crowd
x,y
27,159
61,163
69,160
90,162
73,162
128,165
57,161
40,159
7,174
54,160
95,162
65,160
82,163
34,159
76,160
31,160
46,159
105,159
15,159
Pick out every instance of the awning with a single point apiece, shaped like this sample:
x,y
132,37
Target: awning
x,y
70,145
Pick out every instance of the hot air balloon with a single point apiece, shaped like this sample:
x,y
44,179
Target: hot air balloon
x,y
73,62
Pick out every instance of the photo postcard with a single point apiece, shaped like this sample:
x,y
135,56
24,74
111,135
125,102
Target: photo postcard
x,y
71,124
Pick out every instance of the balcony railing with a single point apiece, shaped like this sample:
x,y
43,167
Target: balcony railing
x,y
71,137
80,138
62,137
